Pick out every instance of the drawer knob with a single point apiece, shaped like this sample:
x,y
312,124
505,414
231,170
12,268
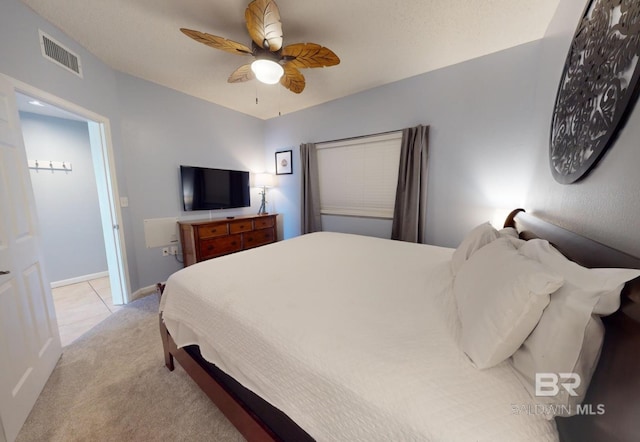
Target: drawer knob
x,y
210,248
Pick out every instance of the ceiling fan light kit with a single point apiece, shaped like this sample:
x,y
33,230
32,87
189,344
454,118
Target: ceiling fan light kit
x,y
267,71
273,63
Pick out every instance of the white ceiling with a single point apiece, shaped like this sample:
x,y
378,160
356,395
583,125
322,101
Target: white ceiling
x,y
378,41
29,104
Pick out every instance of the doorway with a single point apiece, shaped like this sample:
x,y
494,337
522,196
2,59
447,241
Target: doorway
x,y
109,288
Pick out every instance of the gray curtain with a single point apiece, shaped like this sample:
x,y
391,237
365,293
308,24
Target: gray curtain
x,y
311,220
411,195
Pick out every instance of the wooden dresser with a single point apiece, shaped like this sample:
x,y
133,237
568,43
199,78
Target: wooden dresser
x,y
211,238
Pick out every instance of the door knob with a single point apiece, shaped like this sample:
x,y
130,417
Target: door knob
x,y
5,272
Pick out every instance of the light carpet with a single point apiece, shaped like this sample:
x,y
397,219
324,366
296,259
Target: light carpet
x,y
111,385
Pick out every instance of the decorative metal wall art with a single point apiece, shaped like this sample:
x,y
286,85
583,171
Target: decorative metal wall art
x,y
598,88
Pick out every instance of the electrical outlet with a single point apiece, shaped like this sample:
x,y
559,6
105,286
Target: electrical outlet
x,y
173,250
165,251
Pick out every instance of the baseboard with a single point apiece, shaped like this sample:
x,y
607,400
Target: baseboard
x,y
142,292
78,279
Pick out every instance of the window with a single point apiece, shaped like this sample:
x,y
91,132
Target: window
x,y
358,177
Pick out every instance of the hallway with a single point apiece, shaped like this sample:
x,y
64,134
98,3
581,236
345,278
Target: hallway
x,y
81,306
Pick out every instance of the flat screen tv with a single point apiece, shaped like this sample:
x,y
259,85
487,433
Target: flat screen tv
x,y
209,189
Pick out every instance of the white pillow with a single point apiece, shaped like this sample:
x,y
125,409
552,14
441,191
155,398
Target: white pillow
x,y
531,359
512,234
474,240
500,295
509,231
566,340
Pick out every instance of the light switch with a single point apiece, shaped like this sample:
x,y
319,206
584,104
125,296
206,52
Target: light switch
x,y
124,201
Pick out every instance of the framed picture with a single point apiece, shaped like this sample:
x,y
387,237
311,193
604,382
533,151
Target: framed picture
x,y
283,163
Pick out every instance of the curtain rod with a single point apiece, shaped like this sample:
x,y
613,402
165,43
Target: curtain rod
x,y
359,136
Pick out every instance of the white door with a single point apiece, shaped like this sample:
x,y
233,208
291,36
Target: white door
x,y
29,339
109,212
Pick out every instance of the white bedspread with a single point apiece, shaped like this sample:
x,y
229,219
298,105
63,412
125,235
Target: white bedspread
x,y
354,338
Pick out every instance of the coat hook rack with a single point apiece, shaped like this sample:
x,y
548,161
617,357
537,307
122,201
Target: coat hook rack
x,y
50,165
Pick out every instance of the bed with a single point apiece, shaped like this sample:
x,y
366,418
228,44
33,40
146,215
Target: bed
x,y
342,337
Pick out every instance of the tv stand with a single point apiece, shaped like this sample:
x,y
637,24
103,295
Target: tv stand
x,y
206,239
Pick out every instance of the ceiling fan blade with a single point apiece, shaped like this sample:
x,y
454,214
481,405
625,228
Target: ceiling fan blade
x,y
310,55
217,42
263,24
292,79
243,73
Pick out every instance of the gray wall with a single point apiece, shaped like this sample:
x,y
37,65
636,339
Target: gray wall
x,y
489,121
66,202
604,205
154,130
21,58
479,114
163,129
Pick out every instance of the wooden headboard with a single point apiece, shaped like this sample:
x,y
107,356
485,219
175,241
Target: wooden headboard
x,y
616,382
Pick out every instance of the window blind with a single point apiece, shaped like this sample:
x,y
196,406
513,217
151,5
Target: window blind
x,y
358,177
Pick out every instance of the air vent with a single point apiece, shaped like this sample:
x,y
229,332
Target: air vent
x,y
54,51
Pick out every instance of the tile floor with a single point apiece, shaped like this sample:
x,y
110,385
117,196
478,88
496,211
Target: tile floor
x,y
81,306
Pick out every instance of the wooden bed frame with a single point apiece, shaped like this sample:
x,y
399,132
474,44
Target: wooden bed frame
x,y
616,382
255,419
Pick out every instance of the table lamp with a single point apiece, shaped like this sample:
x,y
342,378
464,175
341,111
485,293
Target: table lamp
x,y
263,180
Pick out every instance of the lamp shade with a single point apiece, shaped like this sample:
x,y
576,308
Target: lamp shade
x,y
267,71
263,180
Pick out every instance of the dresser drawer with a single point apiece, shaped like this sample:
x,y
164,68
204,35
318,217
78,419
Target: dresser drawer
x,y
211,231
258,238
263,223
220,246
240,226
213,237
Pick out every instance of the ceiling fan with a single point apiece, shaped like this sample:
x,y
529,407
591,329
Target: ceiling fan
x,y
273,63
